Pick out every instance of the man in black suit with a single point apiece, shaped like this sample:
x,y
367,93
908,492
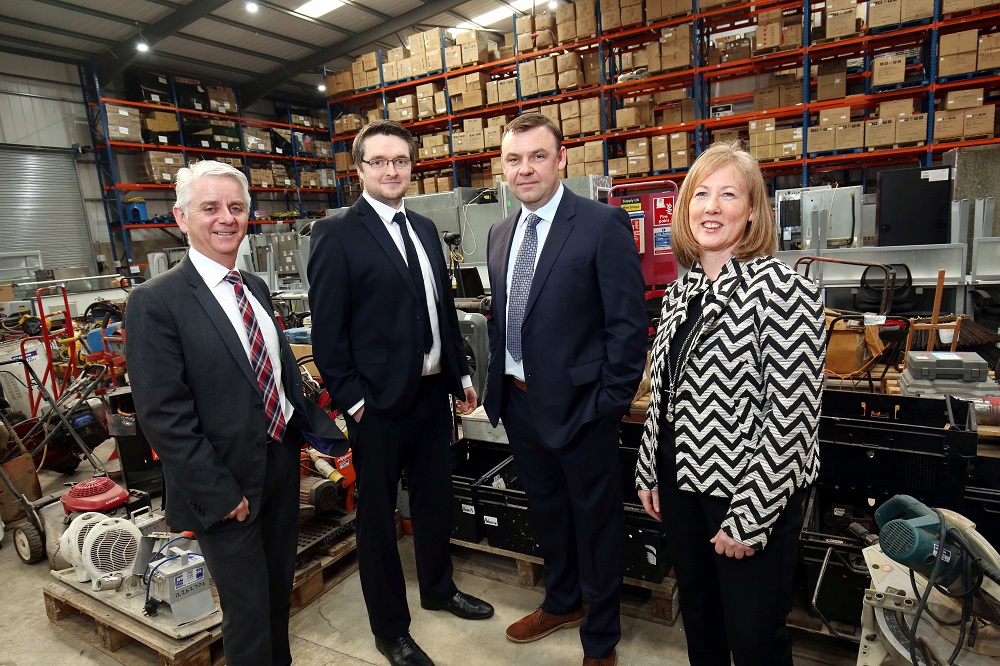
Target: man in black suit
x,y
567,350
219,397
387,344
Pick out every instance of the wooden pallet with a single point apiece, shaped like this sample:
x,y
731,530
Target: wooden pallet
x,y
324,569
122,638
656,602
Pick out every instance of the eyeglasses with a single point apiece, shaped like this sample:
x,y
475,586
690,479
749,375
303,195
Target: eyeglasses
x,y
379,164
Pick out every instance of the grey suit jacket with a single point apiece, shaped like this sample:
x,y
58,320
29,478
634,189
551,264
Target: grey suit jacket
x,y
197,399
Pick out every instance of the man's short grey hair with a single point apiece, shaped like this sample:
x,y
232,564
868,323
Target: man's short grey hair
x,y
188,176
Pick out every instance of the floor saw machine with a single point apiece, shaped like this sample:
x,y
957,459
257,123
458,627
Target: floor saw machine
x,y
935,592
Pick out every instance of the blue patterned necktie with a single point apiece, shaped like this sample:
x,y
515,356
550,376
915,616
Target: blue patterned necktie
x,y
520,285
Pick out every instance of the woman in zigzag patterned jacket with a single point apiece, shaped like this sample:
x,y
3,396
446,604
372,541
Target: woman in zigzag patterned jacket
x,y
730,441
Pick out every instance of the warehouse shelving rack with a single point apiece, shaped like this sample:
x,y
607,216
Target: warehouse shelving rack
x,y
701,76
114,191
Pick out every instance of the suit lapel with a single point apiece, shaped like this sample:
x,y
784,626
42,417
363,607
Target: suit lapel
x,y
559,231
375,226
218,318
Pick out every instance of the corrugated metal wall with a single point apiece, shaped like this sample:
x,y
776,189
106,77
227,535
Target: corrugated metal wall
x,y
41,107
42,208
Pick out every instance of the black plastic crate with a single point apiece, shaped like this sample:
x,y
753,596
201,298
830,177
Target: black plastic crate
x,y
884,445
503,505
645,547
824,538
982,506
470,462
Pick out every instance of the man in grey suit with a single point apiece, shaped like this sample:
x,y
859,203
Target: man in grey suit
x,y
219,396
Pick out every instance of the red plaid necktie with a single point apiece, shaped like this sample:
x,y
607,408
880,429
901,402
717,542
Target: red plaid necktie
x,y
260,360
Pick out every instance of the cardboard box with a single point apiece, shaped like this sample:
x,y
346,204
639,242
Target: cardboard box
x,y
637,147
958,42
949,6
680,159
594,151
507,90
566,31
586,26
960,63
492,137
979,121
851,135
964,99
550,111
884,12
911,10
762,125
632,14
473,99
546,83
570,109
453,57
787,134
822,139
572,127
679,141
637,115
124,123
529,85
766,98
911,129
725,135
566,13
545,65
831,86
576,155
618,167
841,23
888,69
948,125
896,108
788,149
989,51
639,165
880,132
840,115
574,78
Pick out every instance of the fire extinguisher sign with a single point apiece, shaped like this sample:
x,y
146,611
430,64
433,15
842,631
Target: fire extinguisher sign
x,y
663,215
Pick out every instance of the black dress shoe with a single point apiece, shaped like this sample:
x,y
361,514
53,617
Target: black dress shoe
x,y
461,605
402,651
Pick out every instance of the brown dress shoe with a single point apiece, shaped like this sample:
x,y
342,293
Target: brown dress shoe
x,y
540,624
610,660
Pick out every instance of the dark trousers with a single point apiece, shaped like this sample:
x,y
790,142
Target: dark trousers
x,y
416,443
575,497
731,606
253,565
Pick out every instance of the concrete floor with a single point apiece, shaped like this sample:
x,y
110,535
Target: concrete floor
x,y
333,630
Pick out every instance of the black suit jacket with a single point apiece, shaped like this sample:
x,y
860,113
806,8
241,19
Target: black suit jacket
x,y
585,326
366,317
197,398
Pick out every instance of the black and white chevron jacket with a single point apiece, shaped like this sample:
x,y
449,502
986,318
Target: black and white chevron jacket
x,y
748,401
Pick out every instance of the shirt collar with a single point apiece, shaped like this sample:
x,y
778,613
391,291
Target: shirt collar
x,y
384,212
546,212
211,271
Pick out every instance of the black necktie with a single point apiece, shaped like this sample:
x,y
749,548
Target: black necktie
x,y
413,263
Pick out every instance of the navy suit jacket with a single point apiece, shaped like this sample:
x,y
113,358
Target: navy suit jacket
x,y
585,326
367,320
197,398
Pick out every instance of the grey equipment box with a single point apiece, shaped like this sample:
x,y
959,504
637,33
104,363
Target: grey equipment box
x,y
938,388
960,366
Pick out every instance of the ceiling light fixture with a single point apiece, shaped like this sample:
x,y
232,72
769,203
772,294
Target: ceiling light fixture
x,y
317,8
322,87
553,5
142,47
252,7
496,16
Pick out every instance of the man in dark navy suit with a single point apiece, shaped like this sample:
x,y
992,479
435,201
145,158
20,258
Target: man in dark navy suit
x,y
387,344
567,351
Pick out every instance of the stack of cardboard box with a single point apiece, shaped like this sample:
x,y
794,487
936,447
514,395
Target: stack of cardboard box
x,y
403,109
657,10
761,141
639,157
281,176
988,56
433,183
431,100
585,159
221,99
671,151
159,127
884,13
840,19
467,92
343,162
634,114
156,166
476,47
327,178
822,138
308,178
524,26
124,123
366,71
392,70
684,112
569,71
964,116
611,15
632,12
261,177
566,22
957,52
545,31
434,146
339,83
257,140
831,80
347,123
675,50
586,19
323,150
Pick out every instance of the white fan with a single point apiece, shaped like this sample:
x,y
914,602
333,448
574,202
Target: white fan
x,y
110,548
71,541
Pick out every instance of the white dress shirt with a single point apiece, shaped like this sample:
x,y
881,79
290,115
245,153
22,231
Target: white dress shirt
x,y
547,213
214,274
432,359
